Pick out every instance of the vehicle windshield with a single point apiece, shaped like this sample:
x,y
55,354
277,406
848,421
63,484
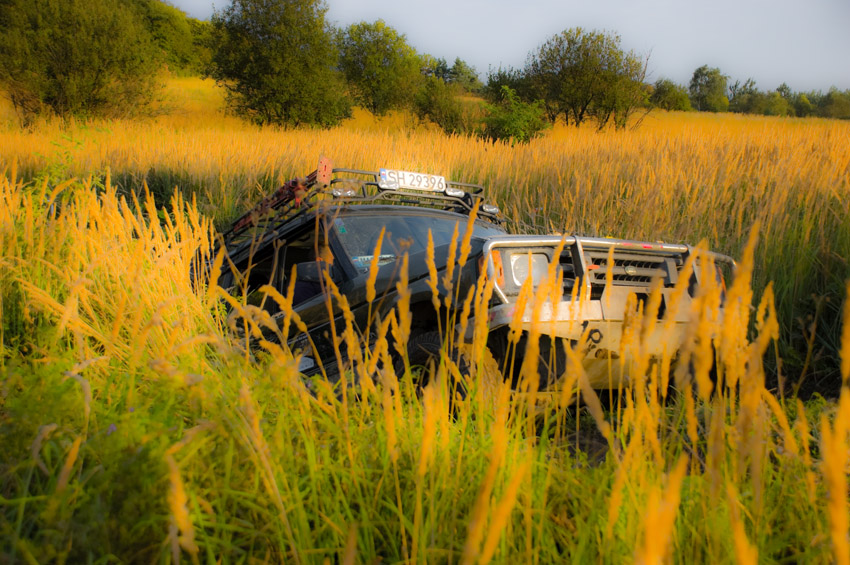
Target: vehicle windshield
x,y
359,235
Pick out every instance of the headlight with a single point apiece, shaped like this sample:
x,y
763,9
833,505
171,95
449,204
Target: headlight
x,y
525,264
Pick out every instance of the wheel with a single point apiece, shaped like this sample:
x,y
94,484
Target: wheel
x,y
424,351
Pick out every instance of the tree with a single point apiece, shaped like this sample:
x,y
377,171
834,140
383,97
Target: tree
x,y
465,76
836,104
802,106
441,69
668,95
76,57
277,62
745,98
514,119
380,67
173,33
708,90
785,91
624,91
430,66
515,79
777,105
202,43
582,74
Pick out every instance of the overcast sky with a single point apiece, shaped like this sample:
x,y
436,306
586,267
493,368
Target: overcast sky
x,y
805,43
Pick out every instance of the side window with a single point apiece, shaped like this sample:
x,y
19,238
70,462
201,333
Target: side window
x,y
313,257
261,269
272,265
298,250
301,249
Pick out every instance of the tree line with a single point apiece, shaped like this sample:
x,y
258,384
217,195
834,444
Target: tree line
x,y
281,62
711,91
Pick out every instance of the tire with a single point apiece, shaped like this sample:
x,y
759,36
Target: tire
x,y
424,350
716,388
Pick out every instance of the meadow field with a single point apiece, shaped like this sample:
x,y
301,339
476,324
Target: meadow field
x,y
135,427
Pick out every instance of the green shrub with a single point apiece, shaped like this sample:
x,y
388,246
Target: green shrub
x,y
514,119
668,95
440,103
76,57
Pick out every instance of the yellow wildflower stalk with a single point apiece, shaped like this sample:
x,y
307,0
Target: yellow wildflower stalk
x,y
178,504
432,272
467,234
450,268
661,513
482,502
745,552
845,340
502,512
835,452
374,264
802,427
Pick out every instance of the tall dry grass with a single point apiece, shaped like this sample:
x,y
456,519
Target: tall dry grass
x,y
678,177
136,428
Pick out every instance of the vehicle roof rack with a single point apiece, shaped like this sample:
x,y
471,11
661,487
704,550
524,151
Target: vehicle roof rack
x,y
341,186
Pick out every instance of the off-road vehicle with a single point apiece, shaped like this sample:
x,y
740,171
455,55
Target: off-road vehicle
x,y
331,221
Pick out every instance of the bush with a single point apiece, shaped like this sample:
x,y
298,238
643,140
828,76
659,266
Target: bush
x,y
439,102
514,119
668,95
802,106
836,104
776,105
512,78
76,57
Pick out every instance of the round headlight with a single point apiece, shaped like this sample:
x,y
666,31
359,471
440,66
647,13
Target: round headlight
x,y
524,264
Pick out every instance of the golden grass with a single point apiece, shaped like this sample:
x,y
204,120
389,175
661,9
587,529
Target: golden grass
x,y
473,484
678,176
135,424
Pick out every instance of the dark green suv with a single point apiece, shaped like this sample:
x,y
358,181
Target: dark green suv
x,y
329,224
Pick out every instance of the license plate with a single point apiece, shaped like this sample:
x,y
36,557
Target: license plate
x,y
393,179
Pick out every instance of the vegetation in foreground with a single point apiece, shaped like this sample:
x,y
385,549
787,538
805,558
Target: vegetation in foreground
x,y
136,428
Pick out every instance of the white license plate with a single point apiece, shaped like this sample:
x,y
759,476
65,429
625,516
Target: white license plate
x,y
393,179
